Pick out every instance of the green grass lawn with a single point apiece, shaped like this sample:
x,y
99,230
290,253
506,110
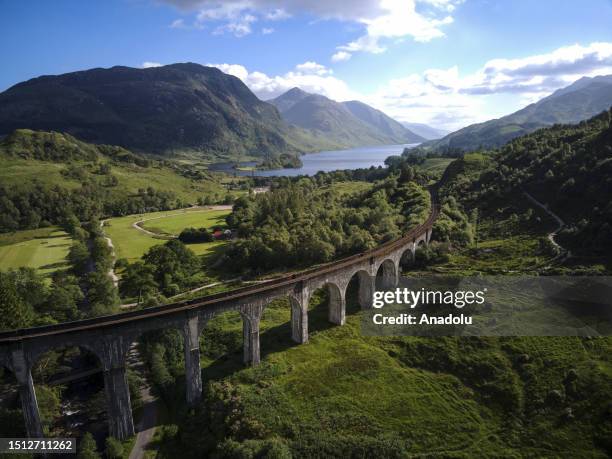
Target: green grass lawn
x,y
191,218
436,165
44,249
131,243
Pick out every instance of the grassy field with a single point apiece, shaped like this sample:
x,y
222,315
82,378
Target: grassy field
x,y
44,249
193,218
436,165
132,243
21,173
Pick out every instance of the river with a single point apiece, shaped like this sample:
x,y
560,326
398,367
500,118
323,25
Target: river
x,y
354,158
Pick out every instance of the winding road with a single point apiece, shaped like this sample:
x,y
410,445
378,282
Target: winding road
x,y
561,224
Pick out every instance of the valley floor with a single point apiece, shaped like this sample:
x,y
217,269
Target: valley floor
x,y
43,249
131,242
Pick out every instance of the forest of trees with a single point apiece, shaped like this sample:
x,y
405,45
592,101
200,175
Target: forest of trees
x,y
41,206
568,167
299,225
165,270
84,290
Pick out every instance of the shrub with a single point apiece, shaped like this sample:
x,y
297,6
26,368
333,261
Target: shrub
x,y
114,448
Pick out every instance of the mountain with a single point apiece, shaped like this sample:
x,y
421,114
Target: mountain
x,y
382,122
174,108
579,101
346,124
287,100
426,131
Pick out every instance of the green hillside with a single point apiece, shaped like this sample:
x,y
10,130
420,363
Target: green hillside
x,y
47,175
579,101
568,167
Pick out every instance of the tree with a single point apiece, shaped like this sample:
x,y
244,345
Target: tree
x,y
102,293
138,280
14,311
30,286
70,223
193,235
87,447
78,256
172,263
48,403
64,297
114,448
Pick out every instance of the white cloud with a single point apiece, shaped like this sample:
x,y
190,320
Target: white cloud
x,y
309,76
149,64
313,68
401,19
239,27
542,73
233,16
444,97
422,20
277,15
267,30
364,43
341,56
178,24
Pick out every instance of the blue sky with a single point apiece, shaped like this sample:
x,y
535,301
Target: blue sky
x,y
443,62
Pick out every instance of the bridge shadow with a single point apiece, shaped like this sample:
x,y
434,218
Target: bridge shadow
x,y
274,339
277,338
56,265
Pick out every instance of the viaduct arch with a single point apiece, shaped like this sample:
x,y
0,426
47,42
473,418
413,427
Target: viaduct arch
x,y
110,337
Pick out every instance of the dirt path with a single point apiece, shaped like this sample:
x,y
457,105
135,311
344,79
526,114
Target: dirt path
x,y
111,272
136,225
561,224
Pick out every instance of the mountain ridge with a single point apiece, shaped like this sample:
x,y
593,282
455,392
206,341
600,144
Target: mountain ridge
x,y
349,124
579,101
426,131
166,110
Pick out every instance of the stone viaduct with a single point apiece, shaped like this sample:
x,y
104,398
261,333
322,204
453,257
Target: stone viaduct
x,y
110,337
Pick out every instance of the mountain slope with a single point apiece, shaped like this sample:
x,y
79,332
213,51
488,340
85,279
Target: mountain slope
x,y
345,124
178,107
426,131
381,122
45,176
581,100
567,166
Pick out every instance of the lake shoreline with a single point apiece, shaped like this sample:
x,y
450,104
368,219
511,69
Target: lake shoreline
x,y
326,161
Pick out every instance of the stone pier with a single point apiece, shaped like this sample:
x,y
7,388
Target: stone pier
x,y
337,304
193,373
119,410
29,405
251,317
